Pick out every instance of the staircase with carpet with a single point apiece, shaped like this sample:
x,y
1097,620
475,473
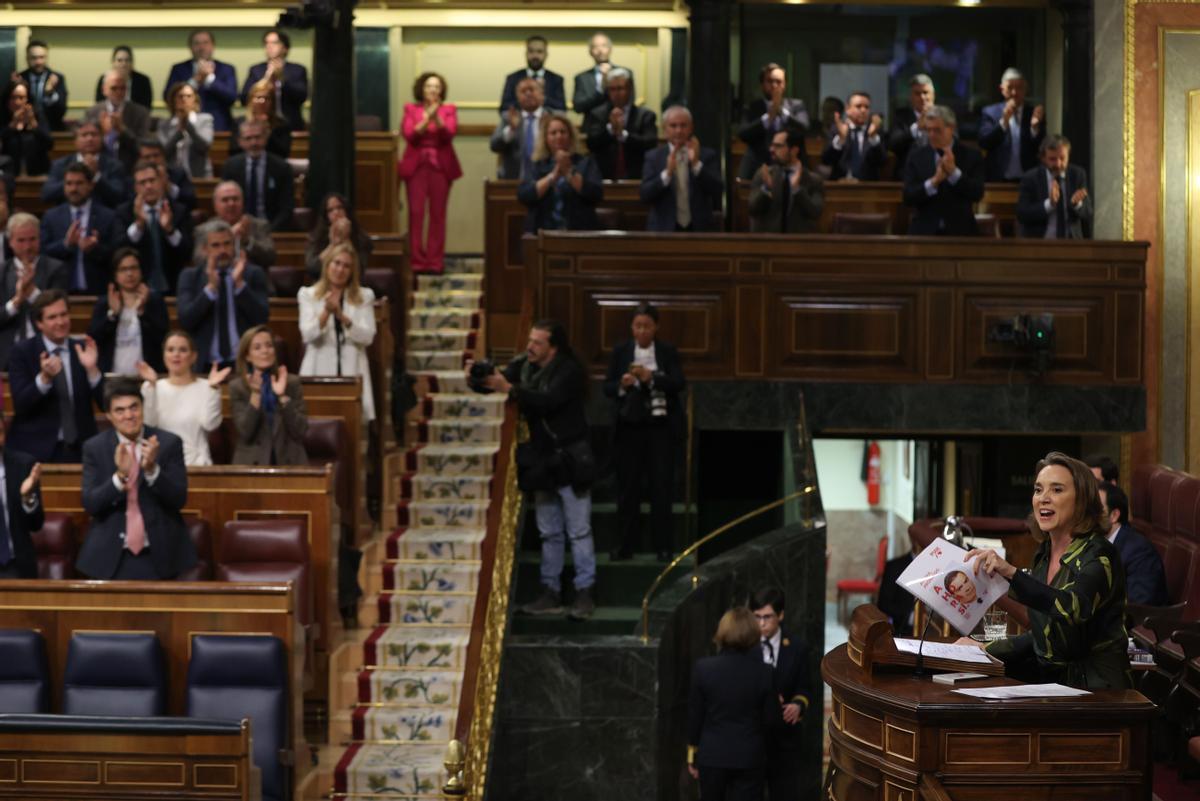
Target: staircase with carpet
x,y
402,677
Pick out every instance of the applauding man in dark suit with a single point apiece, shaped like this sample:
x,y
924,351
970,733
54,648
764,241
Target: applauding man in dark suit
x,y
54,381
134,484
553,91
767,116
786,197
1011,131
1053,202
943,179
1145,578
681,181
856,149
20,511
789,658
290,80
618,132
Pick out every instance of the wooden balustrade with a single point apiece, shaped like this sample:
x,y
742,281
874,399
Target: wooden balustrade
x,y
877,309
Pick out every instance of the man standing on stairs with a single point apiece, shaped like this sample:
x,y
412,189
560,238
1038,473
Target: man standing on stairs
x,y
549,385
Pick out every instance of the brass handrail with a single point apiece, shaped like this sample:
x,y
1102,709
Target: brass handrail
x,y
695,546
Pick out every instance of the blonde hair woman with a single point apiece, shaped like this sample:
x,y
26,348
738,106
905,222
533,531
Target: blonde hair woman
x,y
260,106
565,186
188,133
337,322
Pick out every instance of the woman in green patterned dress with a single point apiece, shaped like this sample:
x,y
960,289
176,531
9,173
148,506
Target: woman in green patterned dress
x,y
1075,591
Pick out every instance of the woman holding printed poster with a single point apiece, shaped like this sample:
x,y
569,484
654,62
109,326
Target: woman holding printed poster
x,y
1075,590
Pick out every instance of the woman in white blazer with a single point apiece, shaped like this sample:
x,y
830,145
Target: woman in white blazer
x,y
337,322
188,133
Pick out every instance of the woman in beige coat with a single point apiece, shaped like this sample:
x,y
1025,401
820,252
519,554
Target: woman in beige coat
x,y
267,405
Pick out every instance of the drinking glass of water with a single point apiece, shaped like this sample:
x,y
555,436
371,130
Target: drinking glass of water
x,y
995,624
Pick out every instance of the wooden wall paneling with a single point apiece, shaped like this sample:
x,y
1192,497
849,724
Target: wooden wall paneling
x,y
870,334
841,308
696,321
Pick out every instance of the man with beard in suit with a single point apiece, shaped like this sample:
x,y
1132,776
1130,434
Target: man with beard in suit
x,y
1053,202
618,132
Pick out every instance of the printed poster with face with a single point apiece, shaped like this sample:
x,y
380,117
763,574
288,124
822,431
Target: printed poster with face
x,y
941,577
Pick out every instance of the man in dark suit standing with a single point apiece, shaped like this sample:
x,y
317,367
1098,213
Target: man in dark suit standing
x,y
221,297
789,660
54,381
1145,579
21,511
178,187
681,181
589,91
519,132
47,88
618,132
786,197
1011,131
906,129
766,116
290,80
266,179
25,276
158,229
214,81
123,123
81,234
856,149
134,484
943,179
110,181
535,67
1053,202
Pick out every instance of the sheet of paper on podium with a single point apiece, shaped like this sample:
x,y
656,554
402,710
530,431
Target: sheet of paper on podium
x,y
944,650
1023,691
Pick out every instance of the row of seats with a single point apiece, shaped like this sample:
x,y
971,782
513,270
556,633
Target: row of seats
x,y
1165,507
123,675
251,550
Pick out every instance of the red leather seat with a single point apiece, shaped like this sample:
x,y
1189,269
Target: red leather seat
x,y
1139,500
200,534
55,547
267,550
1162,485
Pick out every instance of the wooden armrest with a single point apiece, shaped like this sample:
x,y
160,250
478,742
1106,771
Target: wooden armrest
x,y
1188,638
1163,620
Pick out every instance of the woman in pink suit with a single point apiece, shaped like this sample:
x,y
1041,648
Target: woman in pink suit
x,y
428,167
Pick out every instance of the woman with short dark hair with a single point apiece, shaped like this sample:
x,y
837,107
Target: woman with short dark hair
x,y
1075,591
25,137
428,168
130,320
731,702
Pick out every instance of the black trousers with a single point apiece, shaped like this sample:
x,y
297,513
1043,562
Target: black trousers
x,y
783,774
731,784
645,452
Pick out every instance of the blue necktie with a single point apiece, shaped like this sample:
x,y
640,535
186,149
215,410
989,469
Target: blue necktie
x,y
527,147
80,272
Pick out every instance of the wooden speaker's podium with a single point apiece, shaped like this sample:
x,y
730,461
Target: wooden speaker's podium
x,y
895,736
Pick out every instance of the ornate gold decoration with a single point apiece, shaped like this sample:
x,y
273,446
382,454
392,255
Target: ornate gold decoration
x,y
1127,167
454,761
480,736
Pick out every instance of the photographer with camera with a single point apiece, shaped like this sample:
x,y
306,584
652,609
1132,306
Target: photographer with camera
x,y
645,379
549,385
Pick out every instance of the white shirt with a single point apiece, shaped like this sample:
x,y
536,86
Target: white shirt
x,y
953,178
188,411
208,81
666,176
776,641
67,346
128,350
859,132
135,232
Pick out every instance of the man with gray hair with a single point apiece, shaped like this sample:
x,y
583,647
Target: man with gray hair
x,y
220,296
681,181
250,234
1011,131
907,123
24,277
619,132
589,85
122,122
943,179
265,178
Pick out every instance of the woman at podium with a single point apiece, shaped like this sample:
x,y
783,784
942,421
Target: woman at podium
x,y
1075,591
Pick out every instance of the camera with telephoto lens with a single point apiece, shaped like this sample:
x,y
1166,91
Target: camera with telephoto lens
x,y
478,374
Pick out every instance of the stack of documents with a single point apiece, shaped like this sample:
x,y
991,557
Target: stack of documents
x,y
1023,691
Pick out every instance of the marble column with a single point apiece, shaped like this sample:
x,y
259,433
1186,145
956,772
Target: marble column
x,y
1077,78
710,94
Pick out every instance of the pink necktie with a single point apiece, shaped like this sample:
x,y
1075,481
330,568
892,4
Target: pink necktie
x,y
135,527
